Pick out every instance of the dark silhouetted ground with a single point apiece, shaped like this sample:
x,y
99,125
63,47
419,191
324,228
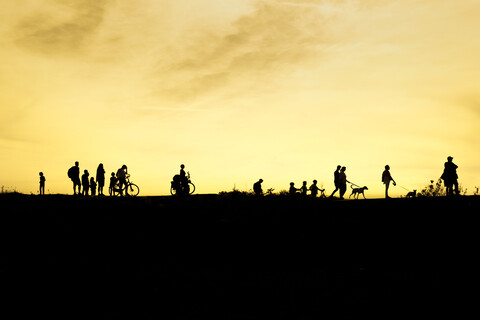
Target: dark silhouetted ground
x,y
237,257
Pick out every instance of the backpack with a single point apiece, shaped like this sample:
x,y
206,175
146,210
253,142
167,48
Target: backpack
x,y
70,172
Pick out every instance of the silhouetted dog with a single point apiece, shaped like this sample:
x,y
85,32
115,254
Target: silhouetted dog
x,y
411,194
357,191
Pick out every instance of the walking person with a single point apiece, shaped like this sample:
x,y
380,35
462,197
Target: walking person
x,y
74,175
100,179
342,181
85,182
386,178
42,183
336,180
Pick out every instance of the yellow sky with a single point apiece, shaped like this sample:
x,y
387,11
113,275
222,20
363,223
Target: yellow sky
x,y
238,90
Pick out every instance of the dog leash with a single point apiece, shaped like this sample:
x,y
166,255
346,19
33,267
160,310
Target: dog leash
x,y
403,188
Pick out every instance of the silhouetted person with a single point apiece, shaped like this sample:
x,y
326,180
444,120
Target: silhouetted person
x,y
335,180
93,186
292,189
314,189
183,181
342,181
113,182
100,179
122,177
85,183
257,187
450,177
386,178
42,183
303,188
74,175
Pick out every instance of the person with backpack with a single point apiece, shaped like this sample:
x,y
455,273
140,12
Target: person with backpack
x,y
74,175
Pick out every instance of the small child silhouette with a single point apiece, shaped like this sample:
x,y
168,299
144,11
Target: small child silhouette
x,y
113,182
93,186
292,189
303,188
42,183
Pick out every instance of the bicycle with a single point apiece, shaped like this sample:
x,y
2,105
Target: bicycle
x,y
176,187
129,188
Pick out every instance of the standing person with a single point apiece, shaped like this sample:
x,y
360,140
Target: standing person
x,y
335,180
257,187
122,178
386,178
42,184
85,182
100,179
450,177
74,175
93,186
113,182
342,181
183,181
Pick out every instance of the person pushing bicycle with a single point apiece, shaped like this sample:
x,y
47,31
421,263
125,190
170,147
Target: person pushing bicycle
x,y
122,177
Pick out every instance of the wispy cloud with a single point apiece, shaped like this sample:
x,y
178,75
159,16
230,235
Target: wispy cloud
x,y
62,27
271,38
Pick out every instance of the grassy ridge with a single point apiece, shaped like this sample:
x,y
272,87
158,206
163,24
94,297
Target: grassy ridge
x,y
237,257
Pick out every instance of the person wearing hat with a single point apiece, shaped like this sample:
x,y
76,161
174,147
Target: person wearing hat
x,y
450,177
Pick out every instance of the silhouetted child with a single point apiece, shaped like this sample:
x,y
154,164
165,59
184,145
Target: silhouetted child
x,y
113,182
42,183
292,189
303,188
85,183
314,189
93,186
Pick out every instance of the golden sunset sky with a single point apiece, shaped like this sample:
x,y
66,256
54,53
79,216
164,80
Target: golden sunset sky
x,y
239,90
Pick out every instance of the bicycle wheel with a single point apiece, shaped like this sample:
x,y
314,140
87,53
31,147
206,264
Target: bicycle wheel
x,y
133,190
191,188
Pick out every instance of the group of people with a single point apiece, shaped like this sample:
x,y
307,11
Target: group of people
x,y
449,177
117,181
180,182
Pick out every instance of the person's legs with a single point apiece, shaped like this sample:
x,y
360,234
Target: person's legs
x,y
387,185
336,189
